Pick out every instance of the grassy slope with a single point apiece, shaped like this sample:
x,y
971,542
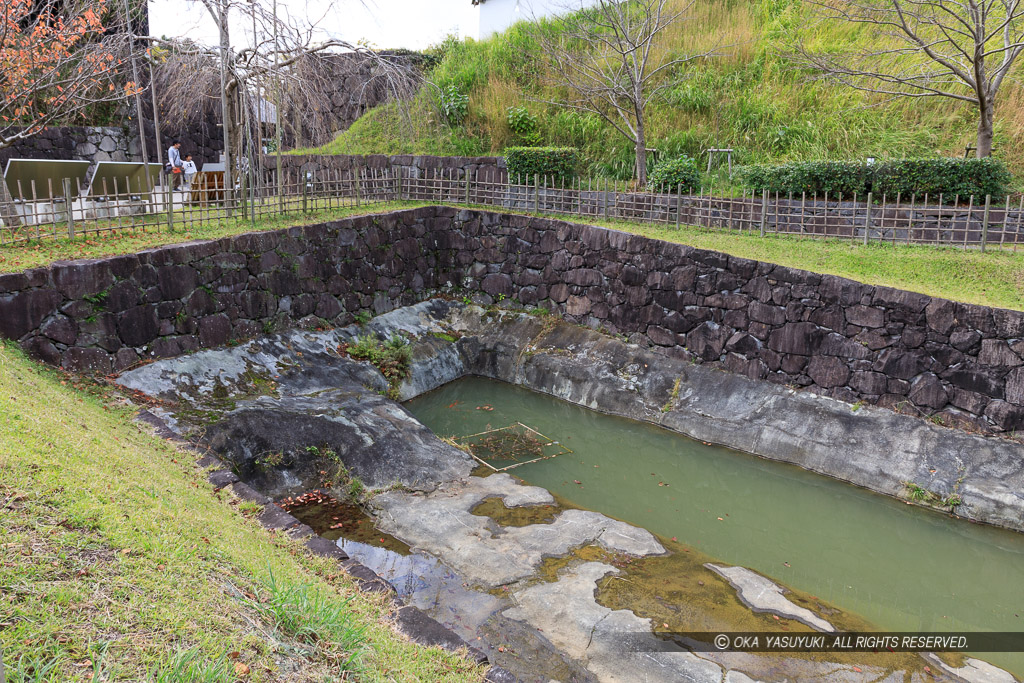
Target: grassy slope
x,y
750,98
117,560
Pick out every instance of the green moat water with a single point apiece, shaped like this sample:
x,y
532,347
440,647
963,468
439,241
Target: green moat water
x,y
900,567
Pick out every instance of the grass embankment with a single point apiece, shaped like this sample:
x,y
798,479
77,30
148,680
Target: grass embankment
x,y
119,562
753,96
994,278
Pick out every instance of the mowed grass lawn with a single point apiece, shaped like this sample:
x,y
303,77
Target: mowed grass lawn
x,y
119,562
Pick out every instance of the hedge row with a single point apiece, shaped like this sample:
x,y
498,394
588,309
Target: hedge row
x,y
948,177
559,164
671,174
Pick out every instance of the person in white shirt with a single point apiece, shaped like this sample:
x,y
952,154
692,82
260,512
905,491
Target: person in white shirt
x,y
190,170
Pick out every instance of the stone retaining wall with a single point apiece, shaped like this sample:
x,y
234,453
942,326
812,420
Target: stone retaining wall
x,y
962,363
87,143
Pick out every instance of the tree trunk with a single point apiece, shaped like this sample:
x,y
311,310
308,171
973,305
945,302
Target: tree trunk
x,y
225,108
641,154
8,211
984,142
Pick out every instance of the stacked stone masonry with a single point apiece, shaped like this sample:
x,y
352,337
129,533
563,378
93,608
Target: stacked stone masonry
x,y
851,341
88,143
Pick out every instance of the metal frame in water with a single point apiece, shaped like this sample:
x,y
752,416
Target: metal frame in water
x,y
503,442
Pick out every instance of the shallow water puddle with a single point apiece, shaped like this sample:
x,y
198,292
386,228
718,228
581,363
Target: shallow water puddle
x,y
340,521
898,567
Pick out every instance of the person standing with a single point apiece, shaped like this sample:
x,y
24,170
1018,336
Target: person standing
x,y
174,163
189,169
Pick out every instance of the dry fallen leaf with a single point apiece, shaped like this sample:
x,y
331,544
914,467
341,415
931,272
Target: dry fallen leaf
x,y
241,669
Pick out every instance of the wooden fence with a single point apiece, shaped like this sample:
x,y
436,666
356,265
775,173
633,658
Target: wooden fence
x,y
967,222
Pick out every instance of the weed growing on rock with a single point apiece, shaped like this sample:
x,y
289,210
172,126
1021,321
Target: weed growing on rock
x,y
392,357
672,396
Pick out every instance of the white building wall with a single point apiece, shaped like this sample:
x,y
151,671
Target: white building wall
x,y
498,15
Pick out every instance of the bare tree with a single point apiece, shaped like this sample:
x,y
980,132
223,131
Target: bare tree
x,y
605,60
59,59
278,59
957,49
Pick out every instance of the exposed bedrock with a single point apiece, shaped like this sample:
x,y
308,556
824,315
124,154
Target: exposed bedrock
x,y
323,400
290,413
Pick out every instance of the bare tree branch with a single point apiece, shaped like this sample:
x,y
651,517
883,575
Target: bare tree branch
x,y
960,50
279,51
604,59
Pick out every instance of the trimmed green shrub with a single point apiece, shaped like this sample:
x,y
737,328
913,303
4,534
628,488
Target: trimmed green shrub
x,y
908,177
671,173
558,163
946,176
834,177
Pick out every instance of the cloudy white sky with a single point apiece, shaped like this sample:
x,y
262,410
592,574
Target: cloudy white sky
x,y
413,24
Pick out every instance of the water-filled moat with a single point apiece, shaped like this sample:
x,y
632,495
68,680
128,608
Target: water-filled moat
x,y
900,567
582,540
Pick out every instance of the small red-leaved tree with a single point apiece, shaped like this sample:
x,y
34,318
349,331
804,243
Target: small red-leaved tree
x,y
58,60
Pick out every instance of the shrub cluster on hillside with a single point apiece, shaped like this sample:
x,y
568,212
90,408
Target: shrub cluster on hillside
x,y
672,174
948,177
547,164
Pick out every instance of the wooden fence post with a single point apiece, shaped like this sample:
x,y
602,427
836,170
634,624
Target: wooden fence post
x,y
679,203
867,219
67,207
170,204
306,177
764,210
984,222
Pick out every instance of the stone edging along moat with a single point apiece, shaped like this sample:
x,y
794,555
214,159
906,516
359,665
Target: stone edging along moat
x,y
961,364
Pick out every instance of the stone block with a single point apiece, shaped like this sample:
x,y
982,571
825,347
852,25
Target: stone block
x,y
765,313
77,279
1015,387
940,315
89,360
827,371
865,316
1006,416
927,391
997,352
868,383
60,328
214,330
707,340
902,364
22,312
799,338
